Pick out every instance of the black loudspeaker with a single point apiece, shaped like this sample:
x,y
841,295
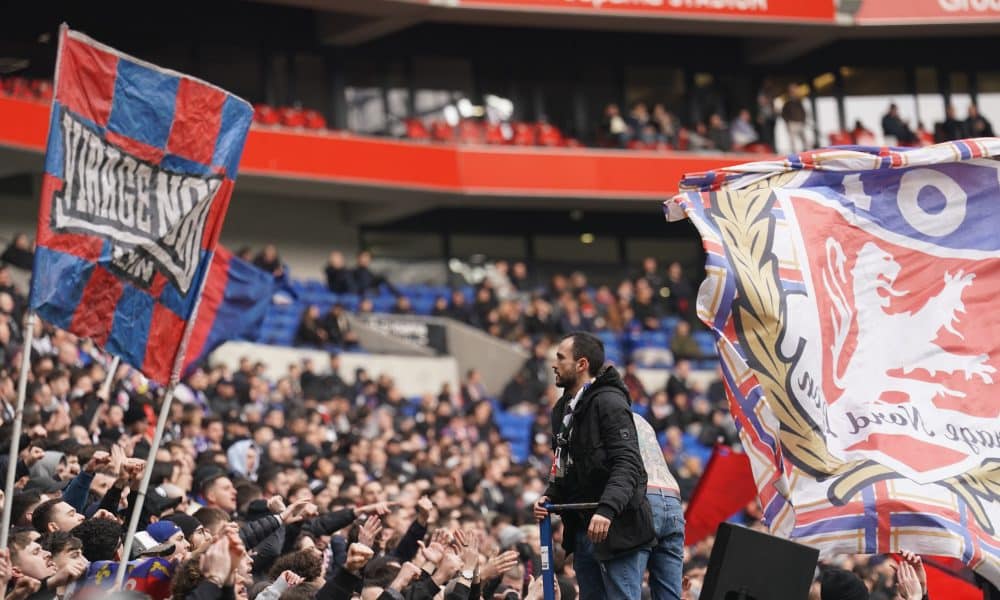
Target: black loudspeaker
x,y
749,565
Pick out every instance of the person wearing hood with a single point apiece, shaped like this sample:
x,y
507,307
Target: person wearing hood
x,y
597,460
244,459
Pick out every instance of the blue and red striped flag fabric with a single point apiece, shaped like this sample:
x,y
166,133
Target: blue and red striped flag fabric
x,y
852,292
233,305
139,171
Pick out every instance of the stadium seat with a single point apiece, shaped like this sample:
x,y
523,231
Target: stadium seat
x,y
471,132
416,130
442,132
706,342
494,134
840,138
758,148
548,135
683,139
314,120
266,115
292,117
524,135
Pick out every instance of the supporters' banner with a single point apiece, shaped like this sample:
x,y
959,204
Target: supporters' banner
x,y
138,174
766,10
723,490
887,12
233,305
853,293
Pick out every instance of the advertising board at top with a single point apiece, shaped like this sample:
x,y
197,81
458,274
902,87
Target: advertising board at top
x,y
763,10
890,12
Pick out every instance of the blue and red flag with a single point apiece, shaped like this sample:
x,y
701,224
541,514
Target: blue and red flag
x,y
853,293
139,171
233,305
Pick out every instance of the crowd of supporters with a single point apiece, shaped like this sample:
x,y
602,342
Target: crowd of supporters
x,y
311,485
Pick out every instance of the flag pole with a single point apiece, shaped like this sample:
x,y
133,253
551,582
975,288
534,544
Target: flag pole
x,y
15,436
110,378
161,424
147,474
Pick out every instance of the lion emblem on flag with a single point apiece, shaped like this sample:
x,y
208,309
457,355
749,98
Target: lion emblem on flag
x,y
874,275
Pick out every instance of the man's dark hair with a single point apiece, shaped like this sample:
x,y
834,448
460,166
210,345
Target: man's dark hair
x,y
20,504
307,564
211,516
303,591
380,571
19,540
245,493
42,515
268,473
58,541
588,346
101,538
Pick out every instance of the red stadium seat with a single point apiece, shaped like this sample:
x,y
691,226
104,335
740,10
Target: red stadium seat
x,y
416,130
548,135
639,145
494,134
524,135
265,114
841,138
471,132
292,117
42,89
683,139
314,120
572,143
442,132
758,148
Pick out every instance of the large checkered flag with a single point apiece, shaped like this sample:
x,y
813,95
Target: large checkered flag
x,y
139,171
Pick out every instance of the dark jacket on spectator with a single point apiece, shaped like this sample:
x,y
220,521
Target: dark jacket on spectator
x,y
339,281
606,468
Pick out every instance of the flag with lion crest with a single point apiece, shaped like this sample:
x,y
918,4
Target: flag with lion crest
x,y
853,295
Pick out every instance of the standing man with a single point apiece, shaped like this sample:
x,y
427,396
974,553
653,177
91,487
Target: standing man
x,y
597,459
666,559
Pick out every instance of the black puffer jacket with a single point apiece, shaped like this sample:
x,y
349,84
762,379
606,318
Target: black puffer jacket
x,y
606,468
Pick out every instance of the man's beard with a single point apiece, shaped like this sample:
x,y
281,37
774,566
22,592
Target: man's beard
x,y
565,382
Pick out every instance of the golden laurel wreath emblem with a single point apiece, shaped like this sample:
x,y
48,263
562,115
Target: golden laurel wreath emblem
x,y
744,219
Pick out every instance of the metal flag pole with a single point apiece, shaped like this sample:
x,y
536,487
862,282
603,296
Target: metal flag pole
x,y
110,378
15,436
147,474
548,554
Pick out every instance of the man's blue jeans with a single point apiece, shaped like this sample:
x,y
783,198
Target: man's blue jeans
x,y
666,559
617,579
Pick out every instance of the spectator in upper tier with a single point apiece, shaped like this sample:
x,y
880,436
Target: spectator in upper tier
x,y
268,260
666,128
977,125
719,133
699,140
614,130
893,125
365,279
338,327
645,310
765,119
638,122
794,114
459,309
861,135
519,276
19,253
310,332
338,276
952,128
742,130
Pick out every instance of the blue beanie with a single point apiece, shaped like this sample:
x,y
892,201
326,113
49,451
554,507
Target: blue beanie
x,y
162,531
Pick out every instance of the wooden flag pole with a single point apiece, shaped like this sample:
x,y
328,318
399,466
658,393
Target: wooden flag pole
x,y
147,474
15,436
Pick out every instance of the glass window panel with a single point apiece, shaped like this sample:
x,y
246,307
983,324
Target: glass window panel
x,y
827,118
931,107
463,246
570,249
404,245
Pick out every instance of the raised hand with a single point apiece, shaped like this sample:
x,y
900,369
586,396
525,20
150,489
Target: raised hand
x,y
498,565
299,511
216,563
918,566
358,556
276,504
468,549
99,460
291,578
379,508
909,585
407,573
425,510
369,531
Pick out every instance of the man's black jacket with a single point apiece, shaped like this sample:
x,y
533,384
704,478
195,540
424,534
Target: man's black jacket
x,y
606,468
